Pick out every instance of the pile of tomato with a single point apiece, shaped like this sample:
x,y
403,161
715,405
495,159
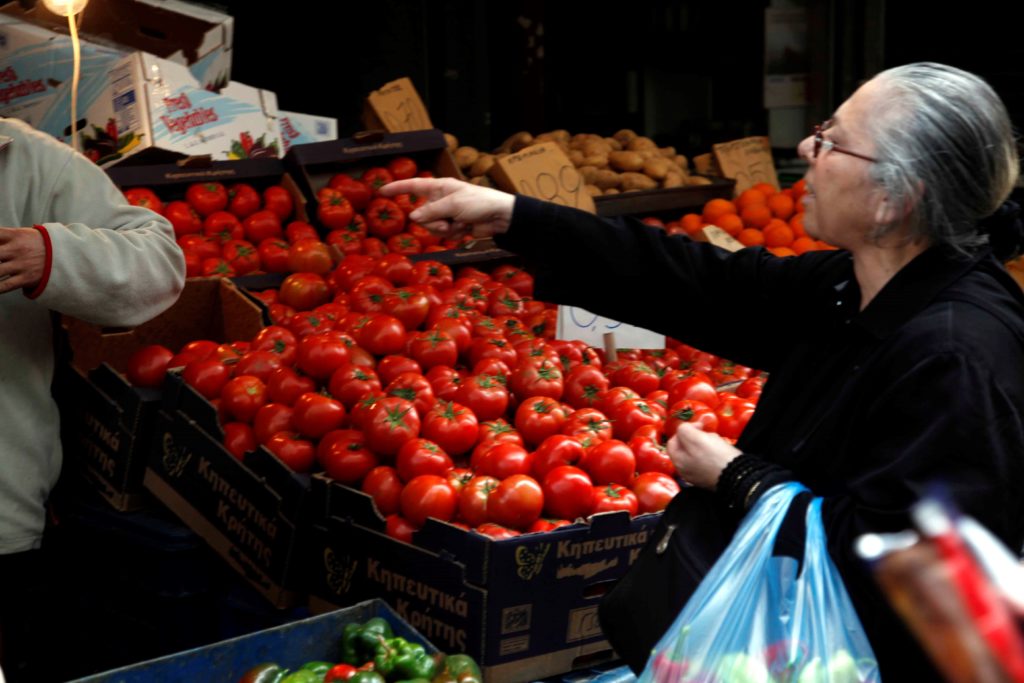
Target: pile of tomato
x,y
237,230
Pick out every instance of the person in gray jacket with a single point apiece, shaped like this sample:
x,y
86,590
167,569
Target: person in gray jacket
x,y
69,244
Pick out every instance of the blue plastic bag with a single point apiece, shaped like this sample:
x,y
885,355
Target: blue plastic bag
x,y
754,619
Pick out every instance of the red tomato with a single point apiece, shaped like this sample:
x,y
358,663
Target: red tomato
x,y
694,412
415,388
636,375
404,244
726,371
610,462
751,388
385,487
207,198
333,210
529,379
654,491
485,395
502,459
144,197
630,415
392,366
539,417
421,456
431,348
557,450
356,191
243,200
517,502
304,291
382,335
183,218
350,382
428,496
295,452
278,200
384,218
262,225
482,348
223,226
147,367
611,497
590,424
271,419
320,355
345,455
242,397
310,256
453,426
300,230
496,531
259,364
207,376
651,456
499,430
402,168
568,492
241,256
473,499
399,529
316,414
607,401
733,415
516,278
390,423
376,178
432,273
239,439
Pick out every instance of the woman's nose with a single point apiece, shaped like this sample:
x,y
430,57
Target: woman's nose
x,y
805,148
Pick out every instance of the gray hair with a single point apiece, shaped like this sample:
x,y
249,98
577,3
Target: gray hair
x,y
946,151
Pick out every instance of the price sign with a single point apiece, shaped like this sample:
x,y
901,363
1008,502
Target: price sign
x,y
579,323
720,238
748,161
544,172
397,108
704,164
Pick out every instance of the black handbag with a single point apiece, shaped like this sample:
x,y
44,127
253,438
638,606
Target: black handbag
x,y
693,532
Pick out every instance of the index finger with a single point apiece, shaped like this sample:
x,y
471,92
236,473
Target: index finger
x,y
431,188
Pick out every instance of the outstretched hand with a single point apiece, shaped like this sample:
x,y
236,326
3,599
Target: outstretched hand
x,y
455,207
700,456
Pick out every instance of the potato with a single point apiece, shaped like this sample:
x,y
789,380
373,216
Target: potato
x,y
452,141
598,160
698,180
667,152
638,143
624,136
626,161
516,142
656,168
466,157
576,157
580,139
482,180
612,190
606,179
637,181
561,135
482,165
594,147
673,180
545,137
589,174
615,145
593,190
683,162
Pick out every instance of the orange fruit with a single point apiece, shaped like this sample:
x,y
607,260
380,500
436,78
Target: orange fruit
x,y
748,197
691,222
750,237
779,235
715,208
731,223
797,224
767,189
782,251
756,215
781,206
803,244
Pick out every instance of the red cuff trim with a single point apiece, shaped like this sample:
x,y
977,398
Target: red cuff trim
x,y
35,293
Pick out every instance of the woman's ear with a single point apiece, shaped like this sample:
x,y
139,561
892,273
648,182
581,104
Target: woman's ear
x,y
891,212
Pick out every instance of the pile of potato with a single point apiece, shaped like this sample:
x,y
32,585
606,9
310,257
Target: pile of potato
x,y
624,162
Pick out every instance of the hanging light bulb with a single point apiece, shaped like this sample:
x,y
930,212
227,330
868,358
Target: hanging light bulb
x,y
65,8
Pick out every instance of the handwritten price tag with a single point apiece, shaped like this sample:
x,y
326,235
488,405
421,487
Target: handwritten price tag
x,y
397,108
544,172
579,323
748,161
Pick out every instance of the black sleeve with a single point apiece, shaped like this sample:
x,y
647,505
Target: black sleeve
x,y
748,306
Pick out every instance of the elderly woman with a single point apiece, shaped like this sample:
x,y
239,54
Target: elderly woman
x,y
895,362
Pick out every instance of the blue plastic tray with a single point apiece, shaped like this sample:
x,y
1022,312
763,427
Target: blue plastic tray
x,y
290,645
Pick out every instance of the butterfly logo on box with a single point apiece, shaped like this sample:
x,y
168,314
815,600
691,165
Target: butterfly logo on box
x,y
339,572
175,459
529,563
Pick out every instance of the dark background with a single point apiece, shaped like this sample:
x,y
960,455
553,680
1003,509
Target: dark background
x,y
692,68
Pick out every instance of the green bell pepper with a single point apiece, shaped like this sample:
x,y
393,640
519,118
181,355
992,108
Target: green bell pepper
x,y
457,669
318,667
367,677
359,643
303,676
413,661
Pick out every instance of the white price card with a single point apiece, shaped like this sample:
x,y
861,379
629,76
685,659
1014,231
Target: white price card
x,y
579,323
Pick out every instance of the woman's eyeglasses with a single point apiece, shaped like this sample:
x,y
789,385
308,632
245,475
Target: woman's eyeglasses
x,y
820,143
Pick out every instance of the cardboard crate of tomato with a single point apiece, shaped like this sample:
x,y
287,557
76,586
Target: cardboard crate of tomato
x,y
252,513
350,170
107,423
232,218
524,607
